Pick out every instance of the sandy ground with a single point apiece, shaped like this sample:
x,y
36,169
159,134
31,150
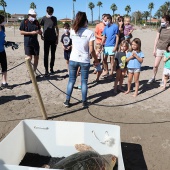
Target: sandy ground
x,y
144,120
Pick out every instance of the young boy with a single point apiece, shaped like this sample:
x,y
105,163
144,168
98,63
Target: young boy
x,y
67,43
3,59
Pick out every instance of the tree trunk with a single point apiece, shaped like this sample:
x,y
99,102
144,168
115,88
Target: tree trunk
x,y
150,17
4,11
92,16
99,13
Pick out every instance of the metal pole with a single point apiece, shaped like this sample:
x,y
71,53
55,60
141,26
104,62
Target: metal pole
x,y
34,82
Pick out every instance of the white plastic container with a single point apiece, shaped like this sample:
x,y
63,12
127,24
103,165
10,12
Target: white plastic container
x,y
55,139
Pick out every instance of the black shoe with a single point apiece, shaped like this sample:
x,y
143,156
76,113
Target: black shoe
x,y
46,74
66,103
85,104
52,71
5,86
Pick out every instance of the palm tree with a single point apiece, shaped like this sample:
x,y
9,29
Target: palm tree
x,y
163,9
137,16
73,10
158,14
99,4
91,6
150,7
3,4
146,15
167,4
113,7
128,9
32,5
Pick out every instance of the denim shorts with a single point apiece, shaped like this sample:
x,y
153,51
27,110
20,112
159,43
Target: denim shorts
x,y
133,70
109,51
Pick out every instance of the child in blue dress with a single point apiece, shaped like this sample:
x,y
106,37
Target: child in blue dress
x,y
134,58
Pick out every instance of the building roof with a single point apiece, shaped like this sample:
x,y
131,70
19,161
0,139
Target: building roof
x,y
65,20
153,20
17,15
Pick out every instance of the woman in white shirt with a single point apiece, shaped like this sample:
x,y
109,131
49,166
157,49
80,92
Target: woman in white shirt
x,y
82,46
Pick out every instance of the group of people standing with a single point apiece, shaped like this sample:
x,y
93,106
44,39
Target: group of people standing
x,y
111,39
30,28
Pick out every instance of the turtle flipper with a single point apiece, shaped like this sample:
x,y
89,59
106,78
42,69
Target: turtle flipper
x,y
83,147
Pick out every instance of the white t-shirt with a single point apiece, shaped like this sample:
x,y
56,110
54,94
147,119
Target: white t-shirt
x,y
80,45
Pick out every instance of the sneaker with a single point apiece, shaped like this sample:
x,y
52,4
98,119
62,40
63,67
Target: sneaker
x,y
5,86
46,74
52,71
66,103
85,104
151,80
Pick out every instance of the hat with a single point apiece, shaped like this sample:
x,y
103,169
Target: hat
x,y
32,12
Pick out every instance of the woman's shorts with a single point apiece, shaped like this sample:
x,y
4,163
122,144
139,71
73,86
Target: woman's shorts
x,y
160,53
32,50
166,72
3,61
133,70
108,51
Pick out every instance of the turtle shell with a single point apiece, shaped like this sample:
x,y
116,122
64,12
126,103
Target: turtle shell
x,y
85,160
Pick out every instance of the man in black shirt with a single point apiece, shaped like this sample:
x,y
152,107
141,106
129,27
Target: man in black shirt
x,y
50,37
30,28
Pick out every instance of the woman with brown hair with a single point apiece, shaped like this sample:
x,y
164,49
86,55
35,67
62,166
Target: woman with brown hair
x,y
82,47
161,42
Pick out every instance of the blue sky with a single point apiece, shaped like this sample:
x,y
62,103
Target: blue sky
x,y
63,8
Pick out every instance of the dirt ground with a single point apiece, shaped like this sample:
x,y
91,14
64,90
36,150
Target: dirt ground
x,y
144,120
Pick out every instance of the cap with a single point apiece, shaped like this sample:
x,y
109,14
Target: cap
x,y
32,12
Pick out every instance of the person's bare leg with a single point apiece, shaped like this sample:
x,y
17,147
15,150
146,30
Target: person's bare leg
x,y
123,72
4,77
105,65
112,61
118,73
130,78
165,81
98,75
136,79
36,58
156,65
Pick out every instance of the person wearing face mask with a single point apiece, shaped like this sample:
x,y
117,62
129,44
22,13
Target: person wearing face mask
x,y
50,37
30,28
67,43
161,41
110,41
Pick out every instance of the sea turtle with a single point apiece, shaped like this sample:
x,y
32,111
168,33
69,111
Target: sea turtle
x,y
87,159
